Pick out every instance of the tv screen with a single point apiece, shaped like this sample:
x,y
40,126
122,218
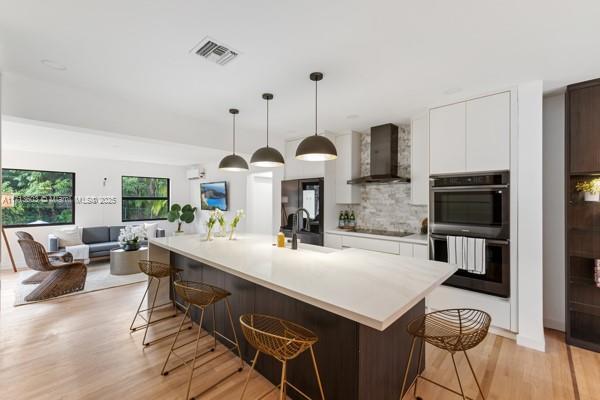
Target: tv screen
x,y
213,195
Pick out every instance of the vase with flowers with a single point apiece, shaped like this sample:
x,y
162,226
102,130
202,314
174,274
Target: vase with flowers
x,y
222,223
239,214
590,189
130,237
210,224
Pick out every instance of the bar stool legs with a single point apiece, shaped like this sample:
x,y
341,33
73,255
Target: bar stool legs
x,y
455,331
284,341
150,310
198,353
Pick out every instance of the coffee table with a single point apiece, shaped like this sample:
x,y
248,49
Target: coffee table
x,y
126,262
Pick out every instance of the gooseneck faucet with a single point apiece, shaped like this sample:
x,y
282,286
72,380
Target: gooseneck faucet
x,y
296,226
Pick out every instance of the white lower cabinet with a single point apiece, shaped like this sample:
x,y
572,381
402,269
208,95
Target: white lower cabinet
x,y
384,246
445,297
333,241
420,251
407,249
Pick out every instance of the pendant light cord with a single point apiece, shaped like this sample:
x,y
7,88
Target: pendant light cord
x,y
267,122
316,103
234,134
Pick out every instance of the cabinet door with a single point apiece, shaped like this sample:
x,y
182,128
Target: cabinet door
x,y
488,133
406,249
347,166
447,139
584,129
384,246
419,166
333,241
420,251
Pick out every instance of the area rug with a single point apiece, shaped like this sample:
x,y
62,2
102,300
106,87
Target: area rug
x,y
98,278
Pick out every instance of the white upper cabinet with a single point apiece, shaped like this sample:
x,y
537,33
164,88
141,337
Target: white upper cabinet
x,y
347,166
419,164
471,136
296,169
447,136
488,133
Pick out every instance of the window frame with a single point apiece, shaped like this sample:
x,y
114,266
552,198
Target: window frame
x,y
73,174
168,198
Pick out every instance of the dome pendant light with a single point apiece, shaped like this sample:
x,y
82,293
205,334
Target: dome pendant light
x,y
267,156
233,162
316,148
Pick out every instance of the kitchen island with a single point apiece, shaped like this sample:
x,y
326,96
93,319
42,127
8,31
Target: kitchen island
x,y
358,302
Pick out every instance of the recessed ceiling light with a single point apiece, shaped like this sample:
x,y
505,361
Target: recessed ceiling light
x,y
352,116
53,65
452,90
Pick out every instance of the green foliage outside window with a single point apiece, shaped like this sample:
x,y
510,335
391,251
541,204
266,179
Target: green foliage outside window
x,y
40,197
144,198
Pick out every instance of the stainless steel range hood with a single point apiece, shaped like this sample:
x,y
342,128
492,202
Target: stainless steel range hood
x,y
384,157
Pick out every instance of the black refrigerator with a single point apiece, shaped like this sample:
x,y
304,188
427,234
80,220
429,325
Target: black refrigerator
x,y
307,194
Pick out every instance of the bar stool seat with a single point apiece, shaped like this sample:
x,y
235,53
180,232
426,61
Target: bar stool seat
x,y
453,330
282,340
155,271
202,296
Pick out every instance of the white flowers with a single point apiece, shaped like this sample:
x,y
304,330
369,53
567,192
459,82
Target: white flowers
x,y
131,233
239,214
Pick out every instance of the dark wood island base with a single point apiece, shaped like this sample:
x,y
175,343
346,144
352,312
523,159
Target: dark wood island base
x,y
355,361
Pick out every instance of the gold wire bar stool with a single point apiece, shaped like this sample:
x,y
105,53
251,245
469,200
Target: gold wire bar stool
x,y
454,330
155,270
282,340
201,296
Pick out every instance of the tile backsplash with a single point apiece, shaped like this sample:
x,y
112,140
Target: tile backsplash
x,y
386,206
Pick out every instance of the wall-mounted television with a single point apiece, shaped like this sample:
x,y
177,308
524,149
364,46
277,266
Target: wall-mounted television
x,y
213,195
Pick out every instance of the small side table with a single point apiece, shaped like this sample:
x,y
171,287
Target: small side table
x,y
126,262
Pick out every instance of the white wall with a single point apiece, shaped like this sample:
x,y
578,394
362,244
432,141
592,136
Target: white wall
x,y
530,215
259,203
236,186
554,212
89,178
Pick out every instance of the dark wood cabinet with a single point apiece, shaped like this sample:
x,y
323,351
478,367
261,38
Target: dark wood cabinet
x,y
582,163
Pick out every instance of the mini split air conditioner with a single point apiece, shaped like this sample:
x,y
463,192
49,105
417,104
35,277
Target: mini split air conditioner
x,y
194,173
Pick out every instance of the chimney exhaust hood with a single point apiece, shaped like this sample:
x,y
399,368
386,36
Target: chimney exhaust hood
x,y
384,157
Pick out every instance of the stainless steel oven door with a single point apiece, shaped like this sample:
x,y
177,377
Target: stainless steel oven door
x,y
480,211
496,280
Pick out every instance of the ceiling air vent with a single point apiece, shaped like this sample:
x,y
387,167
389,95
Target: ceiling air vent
x,y
216,52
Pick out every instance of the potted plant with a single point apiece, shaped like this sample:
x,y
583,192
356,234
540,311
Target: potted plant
x,y
180,215
590,189
130,237
239,214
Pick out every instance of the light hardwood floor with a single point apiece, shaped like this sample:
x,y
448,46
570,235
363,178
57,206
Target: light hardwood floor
x,y
79,347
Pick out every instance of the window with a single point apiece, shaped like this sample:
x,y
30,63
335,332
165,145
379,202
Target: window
x,y
144,199
38,197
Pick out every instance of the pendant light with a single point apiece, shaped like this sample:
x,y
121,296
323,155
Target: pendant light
x,y
233,162
315,147
267,156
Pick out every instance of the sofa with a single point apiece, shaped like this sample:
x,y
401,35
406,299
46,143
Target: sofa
x,y
100,239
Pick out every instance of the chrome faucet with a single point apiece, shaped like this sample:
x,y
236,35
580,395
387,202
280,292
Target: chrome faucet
x,y
296,226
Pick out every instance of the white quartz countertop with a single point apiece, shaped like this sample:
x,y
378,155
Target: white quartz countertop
x,y
371,288
415,238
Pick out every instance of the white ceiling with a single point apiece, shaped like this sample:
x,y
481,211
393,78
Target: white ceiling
x,y
38,137
383,60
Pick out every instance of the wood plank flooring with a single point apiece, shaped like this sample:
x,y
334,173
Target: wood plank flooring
x,y
80,347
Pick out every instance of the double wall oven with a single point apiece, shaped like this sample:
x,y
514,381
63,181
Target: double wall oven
x,y
473,205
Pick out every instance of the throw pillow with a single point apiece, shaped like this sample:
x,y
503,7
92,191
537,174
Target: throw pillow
x,y
150,230
69,236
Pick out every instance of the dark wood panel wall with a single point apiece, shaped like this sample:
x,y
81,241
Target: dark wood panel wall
x,y
582,236
355,361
